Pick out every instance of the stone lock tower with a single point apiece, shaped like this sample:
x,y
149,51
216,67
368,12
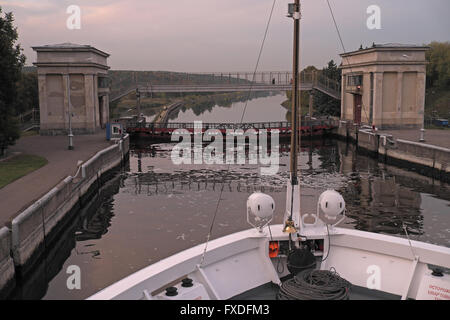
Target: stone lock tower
x,y
384,86
77,74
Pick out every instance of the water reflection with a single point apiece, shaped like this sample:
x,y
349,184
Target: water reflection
x,y
379,198
375,200
96,225
156,209
88,223
386,199
263,106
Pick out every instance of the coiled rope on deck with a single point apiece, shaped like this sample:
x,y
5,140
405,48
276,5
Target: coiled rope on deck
x,y
315,285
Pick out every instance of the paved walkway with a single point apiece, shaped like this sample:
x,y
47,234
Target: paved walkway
x,y
62,162
435,137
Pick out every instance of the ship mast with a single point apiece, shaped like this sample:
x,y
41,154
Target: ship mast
x,y
292,216
295,95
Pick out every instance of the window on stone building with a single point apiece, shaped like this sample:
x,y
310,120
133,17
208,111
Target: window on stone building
x,y
103,82
354,80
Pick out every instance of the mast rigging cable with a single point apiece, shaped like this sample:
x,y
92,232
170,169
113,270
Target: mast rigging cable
x,y
242,117
343,47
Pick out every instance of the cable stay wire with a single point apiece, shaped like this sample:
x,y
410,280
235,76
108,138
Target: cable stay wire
x,y
242,117
342,44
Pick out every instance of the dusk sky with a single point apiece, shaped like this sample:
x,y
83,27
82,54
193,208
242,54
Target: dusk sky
x,y
212,35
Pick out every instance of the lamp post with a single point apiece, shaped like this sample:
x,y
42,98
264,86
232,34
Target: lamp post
x,y
138,97
422,135
422,131
70,135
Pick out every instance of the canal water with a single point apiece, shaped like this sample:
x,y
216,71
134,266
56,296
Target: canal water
x,y
154,208
255,110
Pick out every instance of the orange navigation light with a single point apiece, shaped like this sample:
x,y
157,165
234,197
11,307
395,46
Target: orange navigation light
x,y
274,248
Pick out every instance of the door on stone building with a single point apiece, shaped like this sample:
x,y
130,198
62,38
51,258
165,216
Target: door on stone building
x,y
357,105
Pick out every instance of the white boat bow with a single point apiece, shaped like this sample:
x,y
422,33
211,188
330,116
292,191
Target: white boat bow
x,y
240,262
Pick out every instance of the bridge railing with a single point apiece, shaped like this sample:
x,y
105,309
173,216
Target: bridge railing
x,y
327,83
29,119
29,116
230,78
313,79
242,78
266,77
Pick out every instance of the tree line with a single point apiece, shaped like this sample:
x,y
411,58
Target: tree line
x,y
11,62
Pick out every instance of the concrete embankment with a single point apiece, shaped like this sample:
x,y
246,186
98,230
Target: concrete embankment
x,y
426,159
87,223
34,230
6,262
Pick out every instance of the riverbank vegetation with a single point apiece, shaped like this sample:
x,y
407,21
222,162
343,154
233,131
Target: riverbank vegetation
x,y
437,100
11,63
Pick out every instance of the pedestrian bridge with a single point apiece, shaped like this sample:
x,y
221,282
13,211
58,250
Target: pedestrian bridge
x,y
236,81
